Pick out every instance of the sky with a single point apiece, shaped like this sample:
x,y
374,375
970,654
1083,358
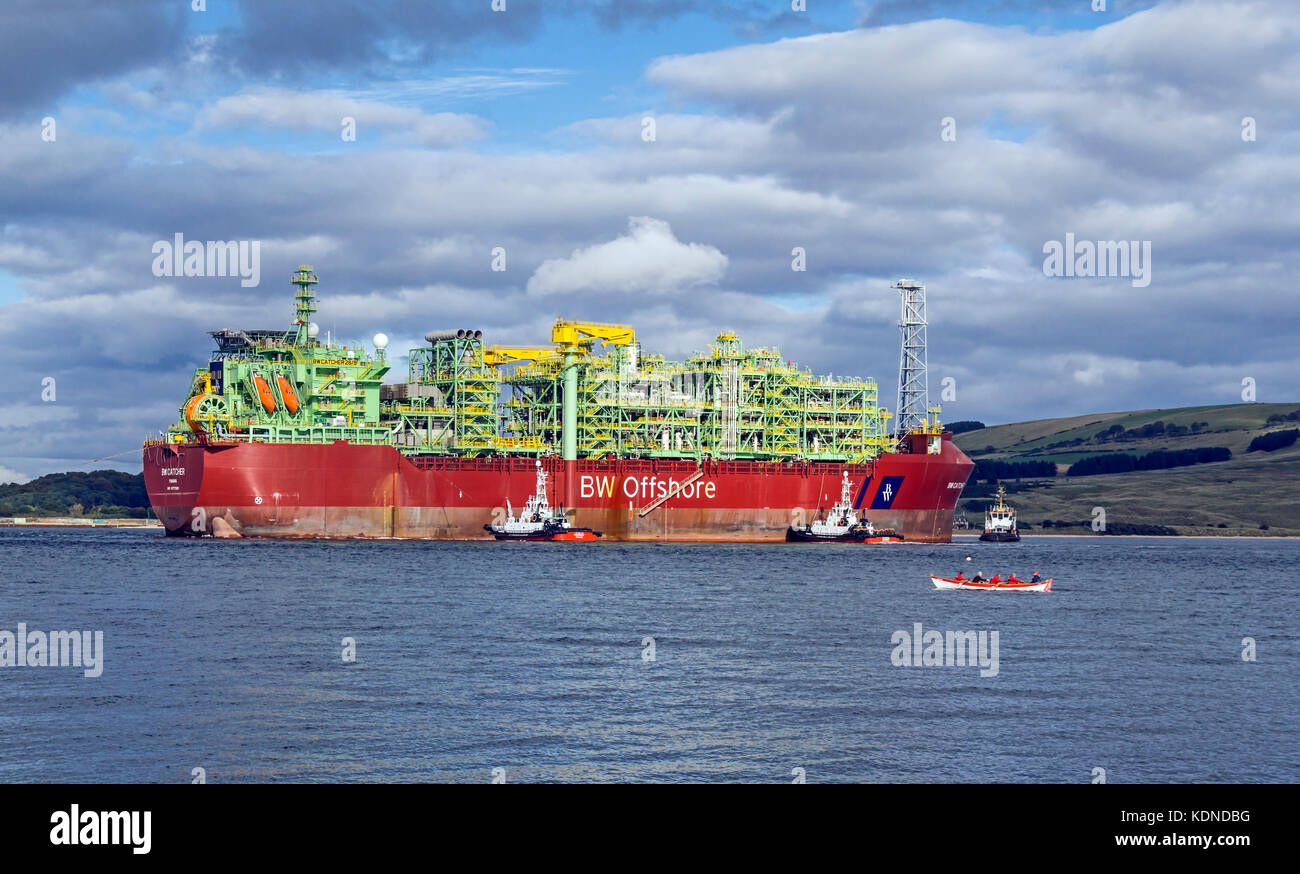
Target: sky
x,y
949,142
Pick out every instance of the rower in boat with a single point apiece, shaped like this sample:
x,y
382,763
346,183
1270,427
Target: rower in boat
x,y
1037,578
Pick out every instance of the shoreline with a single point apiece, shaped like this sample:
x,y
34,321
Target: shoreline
x,y
154,524
69,522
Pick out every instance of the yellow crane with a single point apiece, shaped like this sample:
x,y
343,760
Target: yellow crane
x,y
496,356
573,337
573,342
566,333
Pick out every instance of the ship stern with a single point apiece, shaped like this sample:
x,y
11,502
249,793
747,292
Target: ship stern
x,y
173,475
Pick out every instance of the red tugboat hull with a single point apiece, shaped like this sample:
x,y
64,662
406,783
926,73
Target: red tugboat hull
x,y
560,534
345,489
801,535
585,535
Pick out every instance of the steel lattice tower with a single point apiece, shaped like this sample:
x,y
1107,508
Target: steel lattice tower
x,y
913,388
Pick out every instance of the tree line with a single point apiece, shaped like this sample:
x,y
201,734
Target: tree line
x,y
98,493
1149,431
1160,459
992,471
1273,440
1279,418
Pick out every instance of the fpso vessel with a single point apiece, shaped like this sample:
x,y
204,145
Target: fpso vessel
x,y
283,435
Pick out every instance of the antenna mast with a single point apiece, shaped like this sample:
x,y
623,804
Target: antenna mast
x,y
913,387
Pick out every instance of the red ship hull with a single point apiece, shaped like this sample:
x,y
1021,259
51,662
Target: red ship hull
x,y
354,490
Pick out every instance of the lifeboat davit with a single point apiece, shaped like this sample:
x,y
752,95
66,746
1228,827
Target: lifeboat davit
x,y
264,392
287,393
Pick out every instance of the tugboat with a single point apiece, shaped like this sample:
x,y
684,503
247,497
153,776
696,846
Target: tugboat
x,y
537,520
841,525
1000,521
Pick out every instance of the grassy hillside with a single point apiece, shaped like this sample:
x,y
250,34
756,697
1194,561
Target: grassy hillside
x,y
100,493
1238,496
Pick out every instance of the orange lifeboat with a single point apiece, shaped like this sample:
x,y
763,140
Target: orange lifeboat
x,y
287,393
264,392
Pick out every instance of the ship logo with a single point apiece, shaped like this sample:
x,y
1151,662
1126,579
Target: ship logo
x,y
862,493
887,492
597,486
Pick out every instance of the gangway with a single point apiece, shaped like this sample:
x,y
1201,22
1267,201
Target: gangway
x,y
658,502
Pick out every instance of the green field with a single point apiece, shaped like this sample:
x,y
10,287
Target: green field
x,y
1243,494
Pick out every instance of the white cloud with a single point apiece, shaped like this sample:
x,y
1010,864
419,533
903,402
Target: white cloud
x,y
20,415
285,109
649,258
1094,370
472,84
830,143
9,475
